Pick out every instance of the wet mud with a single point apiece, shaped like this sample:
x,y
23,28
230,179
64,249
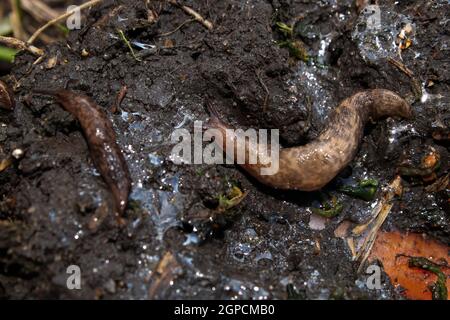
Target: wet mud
x,y
175,241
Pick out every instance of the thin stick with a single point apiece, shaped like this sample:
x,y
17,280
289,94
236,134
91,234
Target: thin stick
x,y
46,39
415,84
39,10
401,67
16,20
380,213
21,45
119,98
266,99
207,24
62,17
176,29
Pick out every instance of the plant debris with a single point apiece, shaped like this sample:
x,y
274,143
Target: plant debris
x,y
368,231
365,190
232,199
127,42
329,209
392,249
57,210
207,24
421,163
439,288
167,270
5,163
296,47
7,100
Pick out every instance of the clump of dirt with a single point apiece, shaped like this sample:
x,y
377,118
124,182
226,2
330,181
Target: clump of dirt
x,y
55,208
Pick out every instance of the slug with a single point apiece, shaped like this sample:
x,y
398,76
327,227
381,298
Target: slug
x,y
101,140
310,167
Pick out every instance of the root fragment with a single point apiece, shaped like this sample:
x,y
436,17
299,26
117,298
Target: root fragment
x,y
61,17
197,16
21,45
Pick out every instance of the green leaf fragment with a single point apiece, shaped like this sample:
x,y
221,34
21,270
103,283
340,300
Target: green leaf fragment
x,y
7,54
365,190
232,199
439,289
296,49
286,30
65,31
329,209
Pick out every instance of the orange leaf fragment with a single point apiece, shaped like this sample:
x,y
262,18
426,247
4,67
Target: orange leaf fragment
x,y
389,248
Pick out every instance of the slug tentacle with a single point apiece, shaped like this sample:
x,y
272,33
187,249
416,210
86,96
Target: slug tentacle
x,y
312,166
101,139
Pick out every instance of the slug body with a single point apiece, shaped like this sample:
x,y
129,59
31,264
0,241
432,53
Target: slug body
x,y
312,166
101,139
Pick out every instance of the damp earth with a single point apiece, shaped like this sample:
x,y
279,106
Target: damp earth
x,y
175,241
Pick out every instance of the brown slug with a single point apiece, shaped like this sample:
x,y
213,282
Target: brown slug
x,y
312,166
101,139
6,97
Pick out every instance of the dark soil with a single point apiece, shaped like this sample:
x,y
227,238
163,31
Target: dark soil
x,y
50,198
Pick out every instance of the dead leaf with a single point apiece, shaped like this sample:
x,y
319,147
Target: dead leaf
x,y
416,282
343,229
5,163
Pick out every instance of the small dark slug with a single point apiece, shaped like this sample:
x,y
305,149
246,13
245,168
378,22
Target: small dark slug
x,y
6,97
312,166
101,139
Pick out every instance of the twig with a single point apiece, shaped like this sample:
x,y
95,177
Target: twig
x,y
46,39
39,10
42,13
379,215
16,20
21,45
176,29
207,24
104,19
119,98
401,67
439,185
415,84
266,99
167,270
62,17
